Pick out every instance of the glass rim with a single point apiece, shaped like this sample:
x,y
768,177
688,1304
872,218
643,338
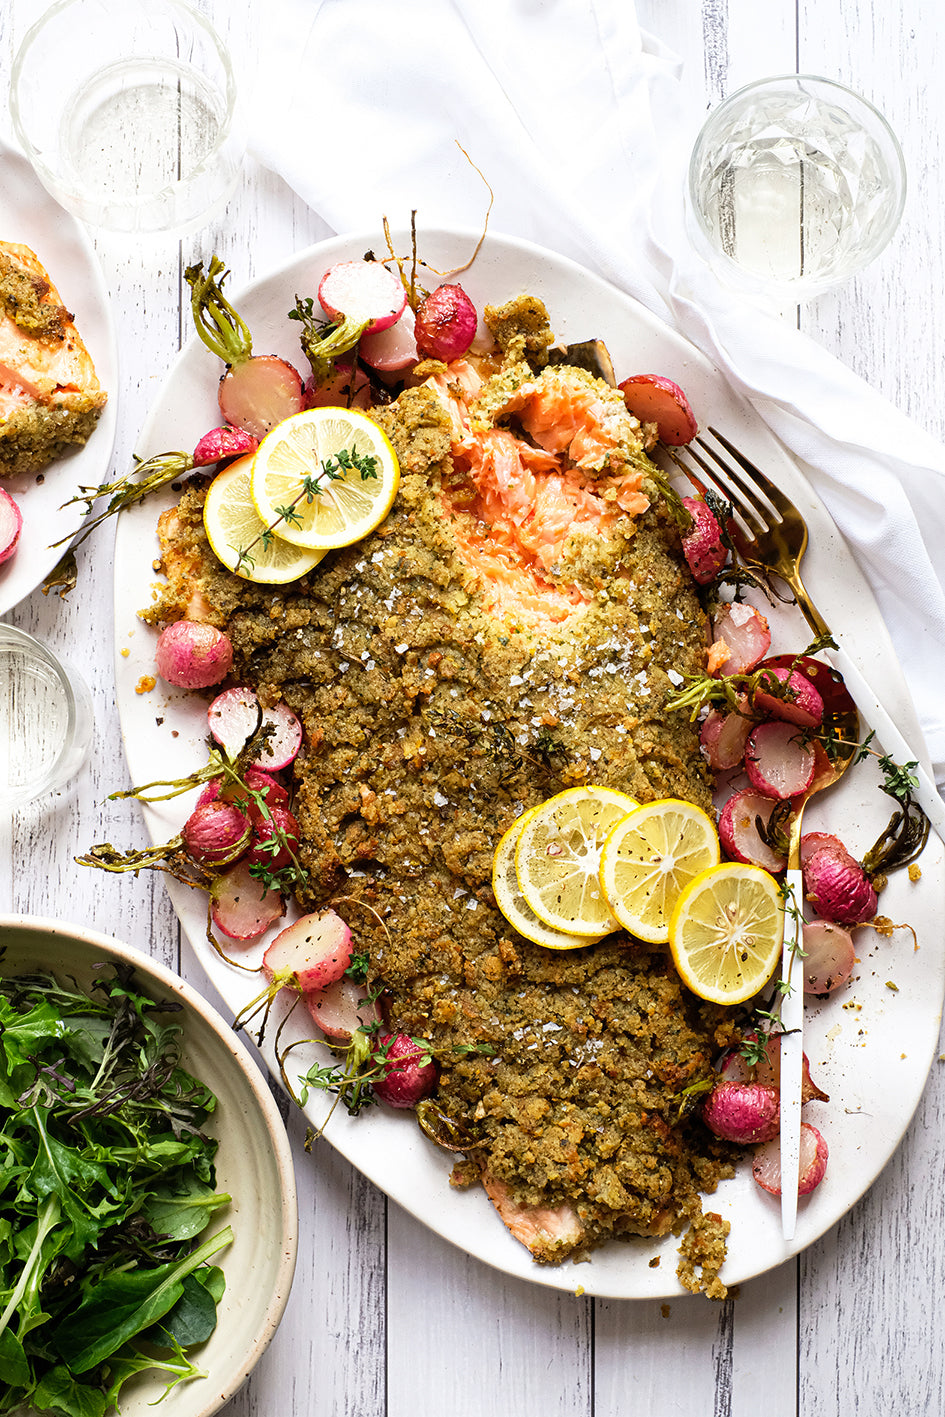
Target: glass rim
x,y
35,33
12,637
853,100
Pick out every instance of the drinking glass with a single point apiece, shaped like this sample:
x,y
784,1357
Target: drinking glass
x,y
128,111
45,719
795,183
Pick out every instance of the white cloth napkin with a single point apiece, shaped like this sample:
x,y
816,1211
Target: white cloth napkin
x,y
580,122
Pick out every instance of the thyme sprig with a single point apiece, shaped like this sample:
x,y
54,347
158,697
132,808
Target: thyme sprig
x,y
334,468
149,475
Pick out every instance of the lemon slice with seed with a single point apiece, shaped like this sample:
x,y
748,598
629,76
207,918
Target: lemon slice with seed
x,y
726,931
557,858
325,477
233,525
515,907
649,857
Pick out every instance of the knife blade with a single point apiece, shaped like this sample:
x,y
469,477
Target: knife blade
x,y
792,1050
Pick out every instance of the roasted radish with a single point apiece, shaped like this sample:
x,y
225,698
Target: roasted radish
x,y
393,349
309,954
241,907
722,738
235,714
655,399
341,1008
743,824
225,442
702,545
362,293
766,1167
837,885
743,1112
256,391
788,694
767,1070
778,761
446,324
216,833
11,524
409,1072
346,386
744,632
193,655
829,956
275,841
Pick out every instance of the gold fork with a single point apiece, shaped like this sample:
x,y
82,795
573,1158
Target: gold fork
x,y
771,536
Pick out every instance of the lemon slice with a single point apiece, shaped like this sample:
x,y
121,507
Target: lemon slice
x,y
557,859
232,525
725,932
324,477
515,907
649,857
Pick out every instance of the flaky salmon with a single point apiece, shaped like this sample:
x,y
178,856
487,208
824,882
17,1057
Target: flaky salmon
x,y
50,397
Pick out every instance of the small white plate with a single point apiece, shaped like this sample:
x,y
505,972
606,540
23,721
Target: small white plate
x,y
30,216
870,1047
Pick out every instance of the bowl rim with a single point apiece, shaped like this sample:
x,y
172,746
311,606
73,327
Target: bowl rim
x,y
281,1146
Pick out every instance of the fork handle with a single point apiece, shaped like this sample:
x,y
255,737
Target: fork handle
x,y
867,700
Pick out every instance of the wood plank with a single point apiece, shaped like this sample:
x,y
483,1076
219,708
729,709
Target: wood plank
x,y
492,1345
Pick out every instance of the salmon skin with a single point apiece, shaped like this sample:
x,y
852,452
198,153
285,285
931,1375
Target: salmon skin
x,y
516,626
50,396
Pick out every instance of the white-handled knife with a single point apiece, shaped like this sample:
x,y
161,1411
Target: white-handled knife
x,y
792,1050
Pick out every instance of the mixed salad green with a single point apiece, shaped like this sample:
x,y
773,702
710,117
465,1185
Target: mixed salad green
x,y
106,1186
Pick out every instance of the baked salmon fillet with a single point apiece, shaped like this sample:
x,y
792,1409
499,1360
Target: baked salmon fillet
x,y
50,396
515,627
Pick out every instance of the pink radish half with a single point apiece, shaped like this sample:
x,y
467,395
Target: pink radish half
x,y
275,841
723,737
655,399
340,1009
232,717
241,907
310,953
766,1167
340,389
738,830
744,632
736,1068
829,956
259,393
778,761
702,545
362,292
393,348
11,524
225,442
802,705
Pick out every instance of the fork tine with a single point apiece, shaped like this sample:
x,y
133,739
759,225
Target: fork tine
x,y
749,522
753,494
781,503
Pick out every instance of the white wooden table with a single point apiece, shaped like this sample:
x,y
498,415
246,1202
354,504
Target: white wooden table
x,y
385,1318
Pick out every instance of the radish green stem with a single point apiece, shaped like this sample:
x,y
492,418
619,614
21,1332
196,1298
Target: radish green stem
x,y
222,330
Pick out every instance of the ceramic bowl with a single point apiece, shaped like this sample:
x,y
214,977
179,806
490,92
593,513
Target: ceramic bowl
x,y
253,1164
